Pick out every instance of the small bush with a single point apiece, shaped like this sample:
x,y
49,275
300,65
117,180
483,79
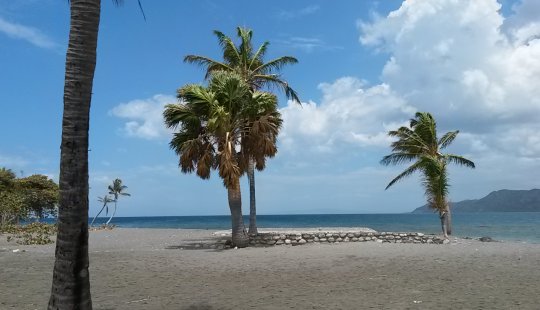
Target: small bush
x,y
34,233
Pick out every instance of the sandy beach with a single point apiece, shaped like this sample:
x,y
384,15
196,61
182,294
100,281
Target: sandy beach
x,y
160,269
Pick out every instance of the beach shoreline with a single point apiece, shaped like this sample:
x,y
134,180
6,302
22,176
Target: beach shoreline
x,y
134,268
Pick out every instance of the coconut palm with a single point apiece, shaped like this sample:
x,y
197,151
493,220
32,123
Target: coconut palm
x,y
249,63
71,280
214,125
418,143
105,200
116,189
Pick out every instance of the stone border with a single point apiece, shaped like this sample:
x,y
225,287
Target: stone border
x,y
272,238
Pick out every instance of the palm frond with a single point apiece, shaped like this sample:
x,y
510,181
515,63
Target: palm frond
x,y
273,80
459,160
275,65
210,64
230,52
257,58
447,139
413,168
398,158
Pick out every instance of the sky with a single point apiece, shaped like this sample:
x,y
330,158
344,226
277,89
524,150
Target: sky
x,y
365,67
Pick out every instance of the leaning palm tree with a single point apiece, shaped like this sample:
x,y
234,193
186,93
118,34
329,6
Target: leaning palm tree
x,y
71,280
212,122
249,63
116,189
105,200
419,143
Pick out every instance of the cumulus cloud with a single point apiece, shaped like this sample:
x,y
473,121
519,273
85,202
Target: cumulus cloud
x,y
350,113
29,34
468,65
144,117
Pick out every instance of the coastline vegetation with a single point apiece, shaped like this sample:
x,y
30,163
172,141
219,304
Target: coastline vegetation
x,y
26,198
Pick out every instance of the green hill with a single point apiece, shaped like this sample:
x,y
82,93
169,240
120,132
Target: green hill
x,y
498,201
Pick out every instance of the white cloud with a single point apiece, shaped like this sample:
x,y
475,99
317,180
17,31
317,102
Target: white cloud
x,y
308,45
145,117
29,34
469,66
350,113
308,10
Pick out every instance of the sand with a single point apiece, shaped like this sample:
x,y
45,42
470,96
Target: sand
x,y
157,269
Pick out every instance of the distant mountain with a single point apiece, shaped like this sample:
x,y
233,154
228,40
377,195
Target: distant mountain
x,y
498,201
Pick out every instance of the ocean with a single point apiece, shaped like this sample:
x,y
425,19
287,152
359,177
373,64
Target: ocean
x,y
505,226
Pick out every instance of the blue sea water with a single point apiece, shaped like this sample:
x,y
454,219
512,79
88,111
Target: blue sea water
x,y
506,226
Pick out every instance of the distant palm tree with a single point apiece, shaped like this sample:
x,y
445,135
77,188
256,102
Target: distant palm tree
x,y
211,123
248,63
105,200
419,143
117,190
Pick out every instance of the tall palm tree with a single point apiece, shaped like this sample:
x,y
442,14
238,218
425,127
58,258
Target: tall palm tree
x,y
105,200
249,63
116,189
71,280
212,122
418,143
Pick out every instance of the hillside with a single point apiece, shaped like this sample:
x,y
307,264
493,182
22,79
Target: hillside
x,y
498,201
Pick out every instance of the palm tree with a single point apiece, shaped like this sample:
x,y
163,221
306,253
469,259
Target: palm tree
x,y
117,190
248,63
419,143
105,200
71,280
212,122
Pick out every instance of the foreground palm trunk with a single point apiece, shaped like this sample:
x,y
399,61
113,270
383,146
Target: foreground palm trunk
x,y
252,206
238,235
71,281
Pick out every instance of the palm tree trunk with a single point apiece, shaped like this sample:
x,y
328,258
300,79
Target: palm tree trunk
x,y
95,217
71,279
239,236
252,205
448,220
443,215
114,212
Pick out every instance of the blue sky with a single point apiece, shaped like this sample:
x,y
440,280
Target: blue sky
x,y
365,67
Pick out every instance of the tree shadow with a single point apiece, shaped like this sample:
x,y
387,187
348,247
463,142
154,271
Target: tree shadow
x,y
212,244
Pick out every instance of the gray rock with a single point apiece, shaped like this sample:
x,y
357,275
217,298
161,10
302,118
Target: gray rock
x,y
323,239
302,241
316,239
486,239
280,242
331,239
354,239
288,241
